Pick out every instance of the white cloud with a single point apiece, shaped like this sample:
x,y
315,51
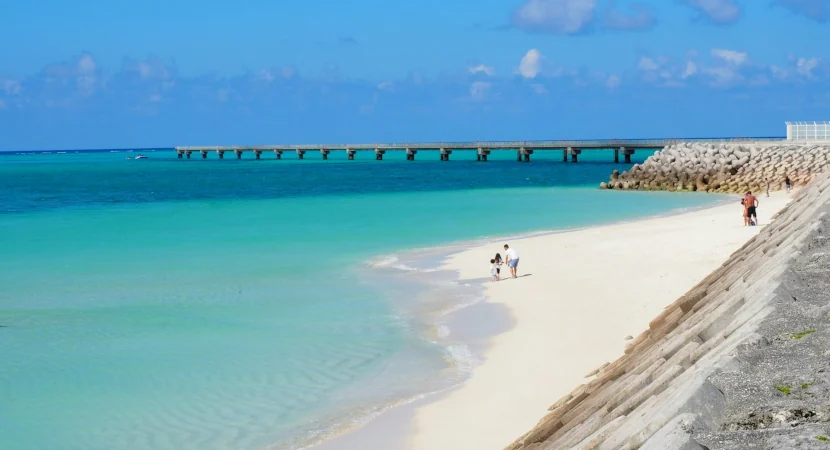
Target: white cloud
x,y
386,86
531,64
86,65
555,16
481,68
690,70
647,64
265,75
723,76
480,89
730,56
778,72
805,66
718,11
613,82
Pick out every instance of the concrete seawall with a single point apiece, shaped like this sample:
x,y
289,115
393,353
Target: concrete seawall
x,y
681,383
724,167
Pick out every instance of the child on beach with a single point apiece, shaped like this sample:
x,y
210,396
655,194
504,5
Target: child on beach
x,y
494,270
499,262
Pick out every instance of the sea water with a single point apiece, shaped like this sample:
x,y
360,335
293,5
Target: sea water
x,y
205,304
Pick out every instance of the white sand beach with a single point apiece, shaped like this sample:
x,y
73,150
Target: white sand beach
x,y
579,295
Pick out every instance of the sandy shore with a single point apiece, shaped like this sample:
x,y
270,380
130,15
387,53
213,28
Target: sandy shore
x,y
578,296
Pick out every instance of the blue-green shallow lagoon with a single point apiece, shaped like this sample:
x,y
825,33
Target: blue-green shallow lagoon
x,y
192,304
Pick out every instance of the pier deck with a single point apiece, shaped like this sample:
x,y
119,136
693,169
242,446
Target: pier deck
x,y
569,148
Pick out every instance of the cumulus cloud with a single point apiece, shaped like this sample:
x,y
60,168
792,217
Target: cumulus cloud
x,y
647,64
730,56
641,17
690,70
805,66
531,64
723,76
481,68
555,16
613,82
721,12
818,10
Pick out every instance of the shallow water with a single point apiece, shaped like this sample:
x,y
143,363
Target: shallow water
x,y
176,304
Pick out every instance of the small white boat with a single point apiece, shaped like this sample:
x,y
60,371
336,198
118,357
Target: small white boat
x,y
142,157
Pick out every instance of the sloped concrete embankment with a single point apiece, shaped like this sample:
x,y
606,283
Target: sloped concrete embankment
x,y
662,393
726,168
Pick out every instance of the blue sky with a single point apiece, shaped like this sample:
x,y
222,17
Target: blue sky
x,y
99,74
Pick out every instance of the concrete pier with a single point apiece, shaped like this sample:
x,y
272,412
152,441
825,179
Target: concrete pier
x,y
574,152
525,153
445,154
524,149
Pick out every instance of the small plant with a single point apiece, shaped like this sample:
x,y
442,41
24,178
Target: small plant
x,y
802,334
785,389
823,438
806,385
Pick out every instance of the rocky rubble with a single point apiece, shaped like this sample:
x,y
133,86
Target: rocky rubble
x,y
725,168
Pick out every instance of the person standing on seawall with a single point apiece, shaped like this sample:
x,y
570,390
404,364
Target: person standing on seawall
x,y
512,260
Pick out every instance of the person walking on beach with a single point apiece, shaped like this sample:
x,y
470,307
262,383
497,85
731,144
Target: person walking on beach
x,y
512,260
494,274
499,262
787,183
750,203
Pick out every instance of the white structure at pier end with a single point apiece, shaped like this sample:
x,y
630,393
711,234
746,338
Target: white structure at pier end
x,y
808,131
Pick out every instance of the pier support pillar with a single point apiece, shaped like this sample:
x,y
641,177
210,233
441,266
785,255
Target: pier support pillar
x,y
526,154
204,154
627,152
238,154
221,154
379,154
616,156
350,153
301,154
565,155
325,154
445,154
410,154
574,152
519,155
257,153
278,153
188,154
180,154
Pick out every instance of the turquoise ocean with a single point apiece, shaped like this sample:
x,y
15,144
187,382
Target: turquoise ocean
x,y
169,303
